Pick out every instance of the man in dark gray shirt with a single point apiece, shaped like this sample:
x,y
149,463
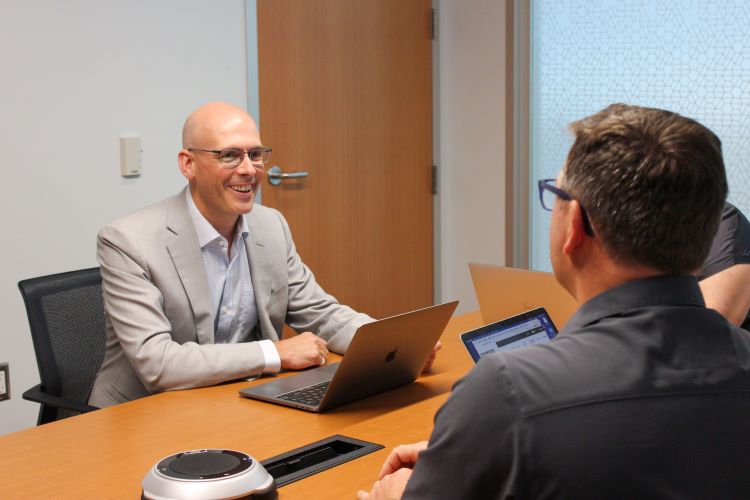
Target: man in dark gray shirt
x,y
725,275
646,392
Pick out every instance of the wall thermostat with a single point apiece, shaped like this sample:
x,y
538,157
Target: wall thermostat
x,y
130,155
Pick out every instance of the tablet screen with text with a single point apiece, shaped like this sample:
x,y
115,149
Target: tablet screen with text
x,y
529,328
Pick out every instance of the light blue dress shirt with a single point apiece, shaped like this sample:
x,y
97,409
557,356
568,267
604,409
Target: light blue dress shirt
x,y
228,273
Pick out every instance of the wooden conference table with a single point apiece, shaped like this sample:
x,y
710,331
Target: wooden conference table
x,y
106,453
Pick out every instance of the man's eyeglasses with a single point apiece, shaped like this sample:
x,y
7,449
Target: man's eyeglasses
x,y
547,193
232,158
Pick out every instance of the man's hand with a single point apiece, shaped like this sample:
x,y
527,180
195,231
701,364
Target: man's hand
x,y
302,351
403,456
431,359
390,487
395,472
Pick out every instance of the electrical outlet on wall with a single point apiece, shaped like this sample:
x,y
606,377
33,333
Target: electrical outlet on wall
x,y
4,381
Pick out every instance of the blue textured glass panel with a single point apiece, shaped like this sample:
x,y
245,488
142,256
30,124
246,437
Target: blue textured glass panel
x,y
688,56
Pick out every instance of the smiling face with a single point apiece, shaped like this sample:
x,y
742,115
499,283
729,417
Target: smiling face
x,y
221,194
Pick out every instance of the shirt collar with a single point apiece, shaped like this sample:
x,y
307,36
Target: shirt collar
x,y
205,231
637,294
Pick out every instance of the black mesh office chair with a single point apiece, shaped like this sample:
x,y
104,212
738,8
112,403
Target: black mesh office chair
x,y
66,317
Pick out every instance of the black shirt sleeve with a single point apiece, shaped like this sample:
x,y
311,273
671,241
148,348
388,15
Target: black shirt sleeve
x,y
474,446
730,246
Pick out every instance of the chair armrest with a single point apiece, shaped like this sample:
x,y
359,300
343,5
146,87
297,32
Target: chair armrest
x,y
38,396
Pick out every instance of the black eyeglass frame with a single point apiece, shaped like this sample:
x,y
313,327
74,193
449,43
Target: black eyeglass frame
x,y
219,152
549,185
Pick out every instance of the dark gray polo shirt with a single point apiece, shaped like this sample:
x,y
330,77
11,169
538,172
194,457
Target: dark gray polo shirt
x,y
730,246
644,394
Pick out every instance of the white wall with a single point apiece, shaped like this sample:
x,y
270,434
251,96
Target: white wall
x,y
77,74
471,151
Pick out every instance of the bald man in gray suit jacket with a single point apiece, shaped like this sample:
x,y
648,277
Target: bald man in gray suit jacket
x,y
179,312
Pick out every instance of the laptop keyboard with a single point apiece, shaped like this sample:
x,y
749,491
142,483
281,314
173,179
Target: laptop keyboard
x,y
311,395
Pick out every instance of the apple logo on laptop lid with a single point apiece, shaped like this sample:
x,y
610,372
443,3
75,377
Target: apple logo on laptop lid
x,y
391,355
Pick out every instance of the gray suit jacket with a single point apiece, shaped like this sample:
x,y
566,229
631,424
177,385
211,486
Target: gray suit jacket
x,y
160,317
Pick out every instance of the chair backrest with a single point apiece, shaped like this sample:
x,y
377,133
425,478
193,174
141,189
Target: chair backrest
x,y
66,317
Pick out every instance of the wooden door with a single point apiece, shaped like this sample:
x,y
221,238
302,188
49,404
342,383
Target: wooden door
x,y
346,95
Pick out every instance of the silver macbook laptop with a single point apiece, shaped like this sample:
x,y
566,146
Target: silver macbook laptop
x,y
382,355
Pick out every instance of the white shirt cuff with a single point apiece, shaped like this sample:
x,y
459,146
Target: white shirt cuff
x,y
270,357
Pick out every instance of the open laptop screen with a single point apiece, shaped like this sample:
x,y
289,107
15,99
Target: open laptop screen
x,y
532,327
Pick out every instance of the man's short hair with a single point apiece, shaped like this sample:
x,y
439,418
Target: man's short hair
x,y
652,182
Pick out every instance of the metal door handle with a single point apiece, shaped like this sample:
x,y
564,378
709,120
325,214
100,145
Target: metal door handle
x,y
275,175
